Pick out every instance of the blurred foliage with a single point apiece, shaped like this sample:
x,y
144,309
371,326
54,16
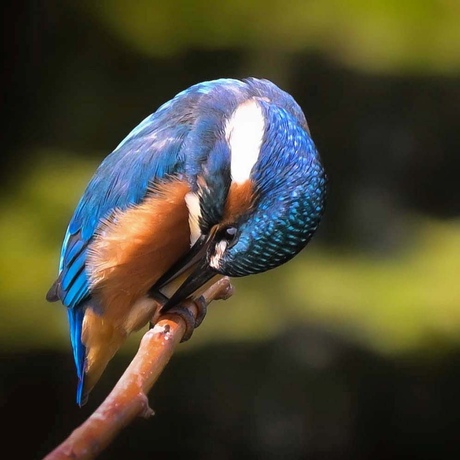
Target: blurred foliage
x,y
31,214
406,301
377,35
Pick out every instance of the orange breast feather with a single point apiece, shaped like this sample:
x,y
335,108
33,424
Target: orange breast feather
x,y
135,247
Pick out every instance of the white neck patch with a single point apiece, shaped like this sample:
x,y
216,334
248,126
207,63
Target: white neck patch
x,y
192,200
244,133
215,258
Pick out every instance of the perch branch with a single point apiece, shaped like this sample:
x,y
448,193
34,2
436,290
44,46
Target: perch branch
x,y
128,398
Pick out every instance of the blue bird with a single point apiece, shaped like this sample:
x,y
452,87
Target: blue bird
x,y
222,180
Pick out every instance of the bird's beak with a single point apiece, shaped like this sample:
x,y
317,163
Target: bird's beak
x,y
194,263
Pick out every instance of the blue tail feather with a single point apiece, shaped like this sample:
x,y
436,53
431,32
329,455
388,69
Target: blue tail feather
x,y
82,397
75,316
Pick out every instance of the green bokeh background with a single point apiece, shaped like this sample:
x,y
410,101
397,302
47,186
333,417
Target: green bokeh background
x,y
380,85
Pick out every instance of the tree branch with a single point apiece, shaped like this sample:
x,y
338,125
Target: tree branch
x,y
128,399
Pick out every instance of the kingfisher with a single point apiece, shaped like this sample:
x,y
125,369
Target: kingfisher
x,y
222,180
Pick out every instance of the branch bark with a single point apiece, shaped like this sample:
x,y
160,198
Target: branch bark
x,y
128,399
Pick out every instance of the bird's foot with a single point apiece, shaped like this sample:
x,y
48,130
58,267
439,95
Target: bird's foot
x,y
193,312
191,321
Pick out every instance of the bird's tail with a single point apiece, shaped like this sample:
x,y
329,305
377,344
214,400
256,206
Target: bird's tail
x,y
95,340
102,340
75,316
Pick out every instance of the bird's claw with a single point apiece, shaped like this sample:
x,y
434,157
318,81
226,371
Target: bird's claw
x,y
191,322
201,310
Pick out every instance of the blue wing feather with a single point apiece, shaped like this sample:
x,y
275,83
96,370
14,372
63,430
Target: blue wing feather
x,y
75,316
122,180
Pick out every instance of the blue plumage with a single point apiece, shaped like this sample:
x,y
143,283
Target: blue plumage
x,y
226,140
291,190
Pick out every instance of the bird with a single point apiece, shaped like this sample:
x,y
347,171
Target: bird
x,y
224,179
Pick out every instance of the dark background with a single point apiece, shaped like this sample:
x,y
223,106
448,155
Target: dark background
x,y
350,351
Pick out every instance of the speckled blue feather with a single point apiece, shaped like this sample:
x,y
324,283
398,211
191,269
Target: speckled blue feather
x,y
291,188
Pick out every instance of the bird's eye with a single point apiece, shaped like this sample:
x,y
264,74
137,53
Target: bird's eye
x,y
230,234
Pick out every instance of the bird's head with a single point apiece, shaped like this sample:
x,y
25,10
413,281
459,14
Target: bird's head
x,y
258,186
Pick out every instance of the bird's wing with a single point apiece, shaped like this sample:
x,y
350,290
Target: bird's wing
x,y
122,180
